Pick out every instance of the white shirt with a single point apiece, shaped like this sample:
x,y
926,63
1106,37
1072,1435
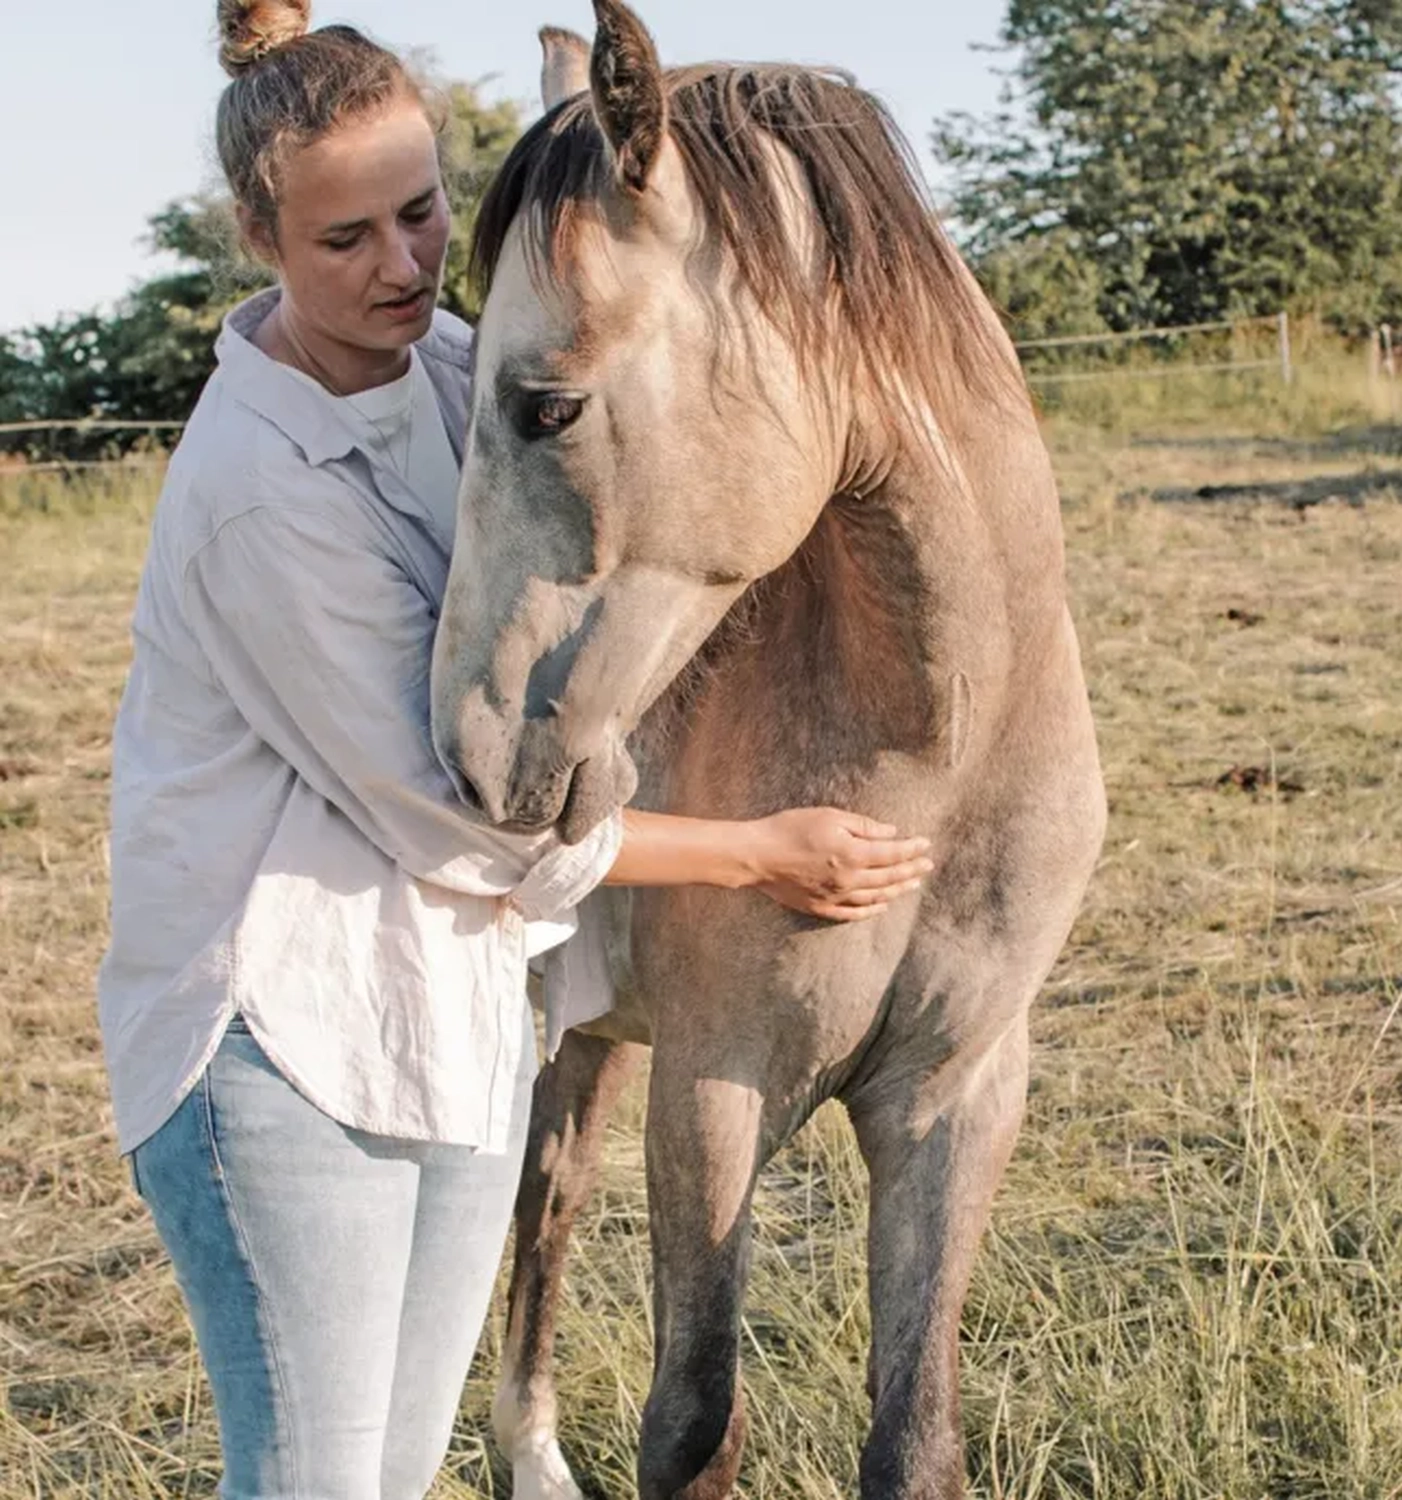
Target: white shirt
x,y
284,840
402,425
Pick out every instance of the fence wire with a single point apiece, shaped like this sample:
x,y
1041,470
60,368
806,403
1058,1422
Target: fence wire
x,y
85,425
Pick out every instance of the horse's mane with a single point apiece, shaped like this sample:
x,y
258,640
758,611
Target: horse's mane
x,y
898,307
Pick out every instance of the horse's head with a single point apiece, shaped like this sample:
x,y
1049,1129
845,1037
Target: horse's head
x,y
674,262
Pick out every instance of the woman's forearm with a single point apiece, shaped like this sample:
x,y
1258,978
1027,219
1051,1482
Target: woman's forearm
x,y
659,849
817,860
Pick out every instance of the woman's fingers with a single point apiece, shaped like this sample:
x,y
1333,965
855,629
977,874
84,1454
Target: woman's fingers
x,y
878,895
847,913
841,866
854,904
889,875
877,854
866,828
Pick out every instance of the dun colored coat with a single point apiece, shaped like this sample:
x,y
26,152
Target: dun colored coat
x,y
755,514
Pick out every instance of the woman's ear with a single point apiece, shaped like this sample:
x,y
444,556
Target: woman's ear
x,y
257,237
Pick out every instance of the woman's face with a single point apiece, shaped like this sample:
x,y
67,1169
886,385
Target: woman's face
x,y
363,229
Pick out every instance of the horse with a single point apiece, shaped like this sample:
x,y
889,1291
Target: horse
x,y
755,513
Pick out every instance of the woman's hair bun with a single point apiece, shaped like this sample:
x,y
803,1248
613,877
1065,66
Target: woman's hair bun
x,y
250,29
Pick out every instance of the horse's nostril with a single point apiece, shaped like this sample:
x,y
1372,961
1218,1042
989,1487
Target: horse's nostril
x,y
467,792
472,796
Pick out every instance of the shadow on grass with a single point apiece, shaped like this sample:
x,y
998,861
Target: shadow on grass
x,y
1376,437
1173,986
1299,494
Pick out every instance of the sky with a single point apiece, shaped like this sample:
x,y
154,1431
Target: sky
x,y
107,110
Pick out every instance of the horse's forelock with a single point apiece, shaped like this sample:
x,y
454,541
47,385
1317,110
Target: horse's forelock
x,y
895,306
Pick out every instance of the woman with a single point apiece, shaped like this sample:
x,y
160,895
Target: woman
x,y
314,1001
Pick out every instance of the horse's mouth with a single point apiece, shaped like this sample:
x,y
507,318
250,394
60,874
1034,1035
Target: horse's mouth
x,y
577,815
573,802
598,788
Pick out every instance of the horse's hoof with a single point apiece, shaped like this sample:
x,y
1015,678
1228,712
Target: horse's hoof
x,y
539,1472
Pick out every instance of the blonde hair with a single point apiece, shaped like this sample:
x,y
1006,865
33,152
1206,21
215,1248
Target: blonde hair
x,y
291,86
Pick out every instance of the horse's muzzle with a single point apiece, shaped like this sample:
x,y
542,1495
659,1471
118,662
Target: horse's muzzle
x,y
533,780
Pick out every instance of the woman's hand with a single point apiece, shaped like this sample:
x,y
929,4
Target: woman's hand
x,y
817,860
833,864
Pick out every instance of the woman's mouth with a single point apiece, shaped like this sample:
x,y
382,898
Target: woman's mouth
x,y
406,309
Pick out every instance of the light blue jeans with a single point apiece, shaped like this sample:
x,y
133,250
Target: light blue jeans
x,y
337,1281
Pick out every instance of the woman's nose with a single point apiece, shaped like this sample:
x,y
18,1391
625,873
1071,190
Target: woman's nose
x,y
399,267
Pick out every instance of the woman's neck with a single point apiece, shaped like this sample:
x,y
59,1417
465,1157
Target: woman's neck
x,y
343,369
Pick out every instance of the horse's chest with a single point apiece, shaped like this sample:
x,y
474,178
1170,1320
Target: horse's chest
x,y
733,964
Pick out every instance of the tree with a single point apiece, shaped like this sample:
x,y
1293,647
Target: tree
x,y
1176,161
158,347
149,358
13,373
475,142
145,361
52,371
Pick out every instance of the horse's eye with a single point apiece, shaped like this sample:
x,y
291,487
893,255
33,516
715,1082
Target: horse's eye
x,y
550,412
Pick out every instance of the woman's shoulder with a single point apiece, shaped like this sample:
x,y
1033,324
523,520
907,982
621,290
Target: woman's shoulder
x,y
262,439
445,354
448,341
233,462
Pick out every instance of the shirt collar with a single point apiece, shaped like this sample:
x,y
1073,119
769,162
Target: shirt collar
x,y
297,410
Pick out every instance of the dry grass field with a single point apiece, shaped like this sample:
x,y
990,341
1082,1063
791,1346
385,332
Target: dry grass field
x,y
1192,1289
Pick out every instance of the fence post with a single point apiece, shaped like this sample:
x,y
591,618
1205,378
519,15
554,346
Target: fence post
x,y
1286,371
1375,354
1388,364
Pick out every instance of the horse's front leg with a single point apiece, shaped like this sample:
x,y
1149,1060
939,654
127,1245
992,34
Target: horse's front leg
x,y
703,1134
574,1097
936,1148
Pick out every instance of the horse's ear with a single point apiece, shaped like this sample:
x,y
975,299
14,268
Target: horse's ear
x,y
564,68
629,100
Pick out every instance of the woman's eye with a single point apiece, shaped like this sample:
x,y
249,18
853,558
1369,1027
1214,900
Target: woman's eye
x,y
349,244
552,413
418,215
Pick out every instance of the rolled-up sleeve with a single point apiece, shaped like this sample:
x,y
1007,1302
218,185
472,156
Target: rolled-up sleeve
x,y
324,647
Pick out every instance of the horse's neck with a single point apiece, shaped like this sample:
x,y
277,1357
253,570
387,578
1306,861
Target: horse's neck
x,y
864,645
